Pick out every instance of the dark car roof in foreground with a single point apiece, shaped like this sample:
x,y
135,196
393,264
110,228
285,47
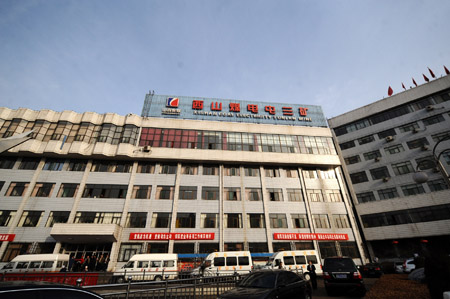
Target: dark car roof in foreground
x,y
13,286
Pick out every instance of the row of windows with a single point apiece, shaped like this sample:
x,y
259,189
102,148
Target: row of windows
x,y
183,220
426,214
393,113
215,140
167,192
392,192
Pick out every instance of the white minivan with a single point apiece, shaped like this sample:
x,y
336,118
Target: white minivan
x,y
225,263
296,260
151,266
36,263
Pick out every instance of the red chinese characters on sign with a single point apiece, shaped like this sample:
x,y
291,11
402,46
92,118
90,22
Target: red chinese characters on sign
x,y
302,111
252,108
235,107
171,236
198,105
215,106
309,237
287,111
7,237
270,109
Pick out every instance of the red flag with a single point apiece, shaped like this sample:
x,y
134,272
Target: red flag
x,y
431,73
390,91
414,81
425,78
446,70
403,85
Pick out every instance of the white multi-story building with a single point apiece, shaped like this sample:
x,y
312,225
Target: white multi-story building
x,y
190,176
382,145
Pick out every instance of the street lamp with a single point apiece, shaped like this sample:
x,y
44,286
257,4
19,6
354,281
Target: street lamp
x,y
422,177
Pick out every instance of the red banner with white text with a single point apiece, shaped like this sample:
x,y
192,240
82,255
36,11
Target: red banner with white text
x,y
171,236
310,237
7,237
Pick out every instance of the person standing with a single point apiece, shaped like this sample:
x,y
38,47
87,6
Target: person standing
x,y
312,274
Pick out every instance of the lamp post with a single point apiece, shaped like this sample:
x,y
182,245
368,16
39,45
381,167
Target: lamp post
x,y
422,177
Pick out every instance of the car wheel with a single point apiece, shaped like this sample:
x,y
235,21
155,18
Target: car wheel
x,y
158,278
307,276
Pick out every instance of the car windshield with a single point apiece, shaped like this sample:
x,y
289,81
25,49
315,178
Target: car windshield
x,y
259,280
270,262
339,265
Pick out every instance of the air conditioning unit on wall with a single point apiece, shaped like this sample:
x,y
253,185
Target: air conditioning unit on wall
x,y
389,138
147,149
430,108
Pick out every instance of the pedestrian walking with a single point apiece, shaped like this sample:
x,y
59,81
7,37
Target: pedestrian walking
x,y
312,274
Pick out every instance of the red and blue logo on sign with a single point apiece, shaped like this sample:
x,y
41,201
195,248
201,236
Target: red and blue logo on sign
x,y
172,102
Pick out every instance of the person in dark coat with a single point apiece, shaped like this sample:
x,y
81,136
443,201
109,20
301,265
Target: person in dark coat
x,y
312,274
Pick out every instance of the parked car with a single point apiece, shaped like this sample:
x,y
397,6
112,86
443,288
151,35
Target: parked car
x,y
39,290
398,267
341,275
268,283
371,270
409,265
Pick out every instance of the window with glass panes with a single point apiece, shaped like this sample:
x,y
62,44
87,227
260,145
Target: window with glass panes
x,y
165,192
275,194
334,195
366,139
365,197
321,220
388,193
272,172
67,190
256,221
412,189
98,217
340,221
299,220
349,248
327,249
425,163
394,149
168,169
233,220
379,173
294,194
7,163
437,185
105,191
144,167
433,120
278,220
352,160
210,170
6,216
161,220
251,171
16,189
188,192
310,173
209,220
232,171
185,220
57,217
42,189
402,168
29,163
189,169
372,155
440,136
253,194
292,173
384,134
315,195
136,219
141,192
53,165
30,218
409,127
77,165
417,143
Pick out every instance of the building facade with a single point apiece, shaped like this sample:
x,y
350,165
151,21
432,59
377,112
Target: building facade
x,y
190,176
382,145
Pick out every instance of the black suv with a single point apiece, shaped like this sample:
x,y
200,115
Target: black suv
x,y
340,274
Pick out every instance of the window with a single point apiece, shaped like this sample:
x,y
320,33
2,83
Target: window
x,y
340,221
294,194
7,163
412,189
209,220
57,217
6,216
29,163
232,171
128,250
321,220
310,174
366,139
141,192
210,193
359,177
437,185
334,195
161,220
144,167
68,190
365,197
433,120
379,173
441,136
167,169
409,127
185,220
188,192
16,189
372,155
77,165
272,172
417,143
352,160
253,194
30,219
136,219
233,220
275,194
292,173
165,192
53,164
397,148
278,220
210,170
110,166
256,221
388,193
105,191
425,163
315,195
98,217
402,168
299,220
189,169
42,189
233,194
349,248
346,145
250,171
384,134
327,174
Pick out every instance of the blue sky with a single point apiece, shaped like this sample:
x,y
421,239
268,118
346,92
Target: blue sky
x,y
105,55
